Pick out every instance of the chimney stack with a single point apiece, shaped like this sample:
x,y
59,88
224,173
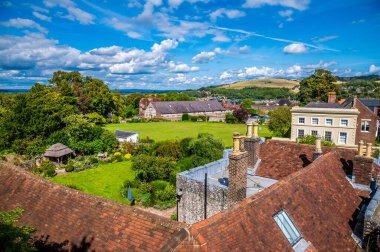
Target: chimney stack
x,y
252,143
331,97
362,170
318,148
237,173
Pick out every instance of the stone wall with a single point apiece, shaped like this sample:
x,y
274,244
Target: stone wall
x,y
191,205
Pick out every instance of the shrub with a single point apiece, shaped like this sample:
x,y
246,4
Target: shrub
x,y
117,157
311,140
168,149
185,117
48,168
128,147
73,186
230,118
69,168
375,153
193,118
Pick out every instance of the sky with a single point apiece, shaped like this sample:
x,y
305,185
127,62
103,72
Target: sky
x,y
186,44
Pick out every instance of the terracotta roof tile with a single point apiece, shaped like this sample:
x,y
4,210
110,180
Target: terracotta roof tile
x,y
279,158
318,198
68,214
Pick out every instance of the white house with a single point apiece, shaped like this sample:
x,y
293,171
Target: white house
x,y
127,136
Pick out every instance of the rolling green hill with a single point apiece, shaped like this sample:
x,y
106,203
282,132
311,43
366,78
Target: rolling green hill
x,y
264,83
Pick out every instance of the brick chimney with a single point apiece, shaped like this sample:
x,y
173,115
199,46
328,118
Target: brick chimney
x,y
362,170
237,173
252,143
318,148
331,97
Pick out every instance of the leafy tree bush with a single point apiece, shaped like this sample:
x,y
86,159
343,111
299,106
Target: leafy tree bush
x,y
96,118
48,168
69,168
168,148
308,139
280,121
230,118
13,237
150,168
241,114
316,86
185,117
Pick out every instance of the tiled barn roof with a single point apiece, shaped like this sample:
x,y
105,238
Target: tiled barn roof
x,y
280,159
319,200
68,214
178,107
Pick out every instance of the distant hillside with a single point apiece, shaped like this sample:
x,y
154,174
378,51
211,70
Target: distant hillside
x,y
264,83
366,77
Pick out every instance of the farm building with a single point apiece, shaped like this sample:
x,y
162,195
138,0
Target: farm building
x,y
174,110
127,136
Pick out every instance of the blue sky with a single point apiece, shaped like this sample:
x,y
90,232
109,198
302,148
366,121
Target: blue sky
x,y
183,44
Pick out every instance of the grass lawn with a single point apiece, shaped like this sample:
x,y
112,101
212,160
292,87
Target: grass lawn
x,y
160,131
105,180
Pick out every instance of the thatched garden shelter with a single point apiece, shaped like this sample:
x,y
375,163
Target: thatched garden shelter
x,y
58,153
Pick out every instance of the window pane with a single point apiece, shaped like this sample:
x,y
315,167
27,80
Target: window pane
x,y
314,120
301,133
329,122
365,125
301,120
314,132
287,227
344,122
343,137
328,135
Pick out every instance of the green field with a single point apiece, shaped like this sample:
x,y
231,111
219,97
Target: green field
x,y
160,131
105,180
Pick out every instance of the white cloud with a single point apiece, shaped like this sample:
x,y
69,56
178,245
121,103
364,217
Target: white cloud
x,y
134,35
374,69
295,48
73,13
111,50
165,45
21,23
287,14
294,70
41,16
225,75
244,49
222,12
176,3
321,64
204,57
220,37
181,67
295,4
147,14
324,39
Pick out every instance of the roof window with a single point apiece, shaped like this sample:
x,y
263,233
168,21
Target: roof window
x,y
287,227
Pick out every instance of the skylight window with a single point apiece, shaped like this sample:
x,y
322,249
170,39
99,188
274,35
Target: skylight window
x,y
287,227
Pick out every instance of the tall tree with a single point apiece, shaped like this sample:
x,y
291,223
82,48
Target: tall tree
x,y
280,121
316,86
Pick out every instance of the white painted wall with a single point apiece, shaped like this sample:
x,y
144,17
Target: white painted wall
x,y
132,139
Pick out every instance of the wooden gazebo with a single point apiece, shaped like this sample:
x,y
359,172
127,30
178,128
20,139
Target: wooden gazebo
x,y
58,153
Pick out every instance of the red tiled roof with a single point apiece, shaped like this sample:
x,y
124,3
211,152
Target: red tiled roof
x,y
319,200
68,214
279,158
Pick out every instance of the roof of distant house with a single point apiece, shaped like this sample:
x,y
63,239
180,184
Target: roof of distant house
x,y
370,102
179,107
124,134
284,102
322,105
280,158
57,150
319,200
67,214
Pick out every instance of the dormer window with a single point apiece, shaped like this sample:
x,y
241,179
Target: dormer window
x,y
287,227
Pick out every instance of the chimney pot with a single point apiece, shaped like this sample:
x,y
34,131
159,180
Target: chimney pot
x,y
249,128
255,130
236,143
318,148
369,150
360,148
331,97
